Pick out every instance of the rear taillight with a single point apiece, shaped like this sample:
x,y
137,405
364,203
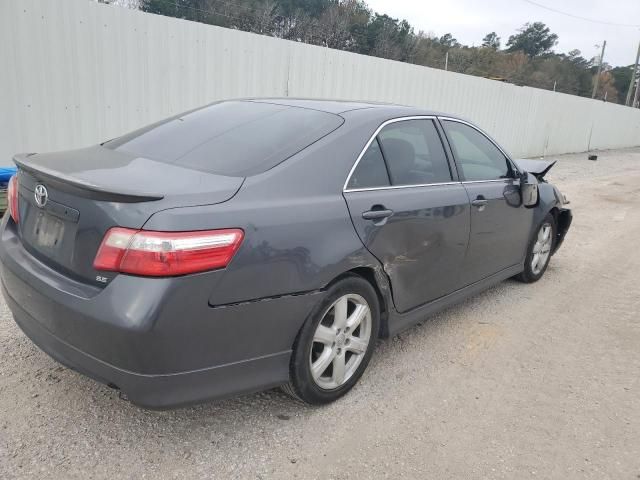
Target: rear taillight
x,y
165,254
12,198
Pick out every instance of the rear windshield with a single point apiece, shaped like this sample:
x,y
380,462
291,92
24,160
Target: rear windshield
x,y
236,138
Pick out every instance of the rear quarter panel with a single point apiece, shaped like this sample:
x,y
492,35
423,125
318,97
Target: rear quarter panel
x,y
298,232
291,245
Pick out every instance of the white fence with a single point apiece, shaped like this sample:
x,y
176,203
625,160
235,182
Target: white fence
x,y
75,72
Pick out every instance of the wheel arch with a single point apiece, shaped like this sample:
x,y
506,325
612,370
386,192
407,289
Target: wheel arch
x,y
376,277
547,204
562,218
555,212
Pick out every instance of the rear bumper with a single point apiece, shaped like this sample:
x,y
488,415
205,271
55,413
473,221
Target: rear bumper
x,y
159,391
564,219
158,340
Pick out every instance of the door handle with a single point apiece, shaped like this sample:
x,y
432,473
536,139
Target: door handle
x,y
377,214
479,202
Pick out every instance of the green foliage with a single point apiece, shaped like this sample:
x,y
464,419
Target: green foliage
x,y
173,8
449,41
621,80
534,39
491,40
351,25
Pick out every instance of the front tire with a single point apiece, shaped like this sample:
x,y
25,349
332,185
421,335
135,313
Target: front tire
x,y
539,251
336,343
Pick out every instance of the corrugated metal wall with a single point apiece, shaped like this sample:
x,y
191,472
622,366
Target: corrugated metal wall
x,y
75,73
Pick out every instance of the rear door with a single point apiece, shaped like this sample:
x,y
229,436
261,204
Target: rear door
x,y
410,211
500,224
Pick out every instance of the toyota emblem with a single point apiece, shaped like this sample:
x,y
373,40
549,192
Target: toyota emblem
x,y
41,195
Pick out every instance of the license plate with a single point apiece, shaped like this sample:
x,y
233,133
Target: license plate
x,y
48,231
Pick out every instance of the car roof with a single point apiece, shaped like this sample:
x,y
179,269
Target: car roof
x,y
343,106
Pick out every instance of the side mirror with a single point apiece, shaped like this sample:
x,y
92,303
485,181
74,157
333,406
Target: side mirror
x,y
529,190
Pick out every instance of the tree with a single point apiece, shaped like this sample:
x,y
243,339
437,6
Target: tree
x,y
311,7
388,37
178,8
534,39
132,4
264,16
515,67
358,16
428,50
449,41
351,25
606,88
491,40
621,80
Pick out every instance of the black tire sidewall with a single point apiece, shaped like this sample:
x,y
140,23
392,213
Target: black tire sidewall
x,y
300,370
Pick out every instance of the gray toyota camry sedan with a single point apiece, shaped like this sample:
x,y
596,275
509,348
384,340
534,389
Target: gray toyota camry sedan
x,y
264,242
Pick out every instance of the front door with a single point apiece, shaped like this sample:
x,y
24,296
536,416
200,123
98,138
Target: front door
x,y
500,224
409,212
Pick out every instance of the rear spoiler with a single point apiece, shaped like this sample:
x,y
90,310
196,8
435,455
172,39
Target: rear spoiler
x,y
62,181
538,168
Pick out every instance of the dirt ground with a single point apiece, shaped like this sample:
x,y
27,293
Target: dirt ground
x,y
522,381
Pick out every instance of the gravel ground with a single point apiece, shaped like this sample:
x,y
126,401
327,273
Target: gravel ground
x,y
522,381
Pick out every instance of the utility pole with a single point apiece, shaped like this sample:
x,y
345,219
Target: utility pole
x,y
595,84
633,77
446,61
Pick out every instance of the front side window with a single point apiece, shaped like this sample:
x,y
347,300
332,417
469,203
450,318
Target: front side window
x,y
476,155
414,153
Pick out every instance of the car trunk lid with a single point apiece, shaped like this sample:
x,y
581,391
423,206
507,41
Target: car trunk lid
x,y
68,201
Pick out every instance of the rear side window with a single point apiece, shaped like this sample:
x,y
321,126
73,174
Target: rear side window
x,y
478,157
237,138
371,170
414,153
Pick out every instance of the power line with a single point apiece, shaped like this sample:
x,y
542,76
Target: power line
x,y
579,17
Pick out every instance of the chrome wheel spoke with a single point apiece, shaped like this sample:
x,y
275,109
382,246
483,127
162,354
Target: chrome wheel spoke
x,y
322,363
357,345
324,335
541,236
356,317
535,261
340,313
339,369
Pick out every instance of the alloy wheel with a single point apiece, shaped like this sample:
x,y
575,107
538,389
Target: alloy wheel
x,y
542,249
340,341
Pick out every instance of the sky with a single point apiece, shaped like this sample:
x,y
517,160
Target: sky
x,y
470,20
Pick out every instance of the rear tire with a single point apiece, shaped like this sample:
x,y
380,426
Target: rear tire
x,y
539,251
335,344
